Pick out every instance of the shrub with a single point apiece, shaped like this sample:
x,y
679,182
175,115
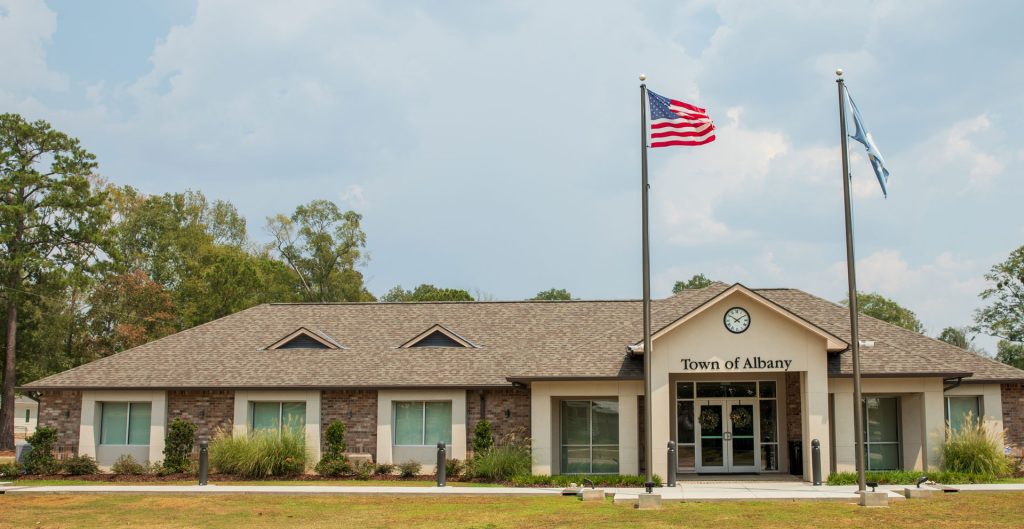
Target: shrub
x,y
974,449
333,468
260,454
600,480
40,459
12,470
334,441
178,445
79,466
501,462
409,469
127,465
363,469
909,477
384,469
453,468
483,438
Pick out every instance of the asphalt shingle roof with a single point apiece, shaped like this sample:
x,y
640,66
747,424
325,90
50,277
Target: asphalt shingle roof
x,y
517,340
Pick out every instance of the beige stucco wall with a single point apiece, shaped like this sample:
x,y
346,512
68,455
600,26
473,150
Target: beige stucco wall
x,y
771,336
385,417
922,418
23,428
89,430
243,417
544,415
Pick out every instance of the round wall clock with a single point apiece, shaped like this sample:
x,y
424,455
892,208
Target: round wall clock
x,y
737,320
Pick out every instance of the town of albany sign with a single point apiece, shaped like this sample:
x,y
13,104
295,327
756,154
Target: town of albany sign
x,y
749,362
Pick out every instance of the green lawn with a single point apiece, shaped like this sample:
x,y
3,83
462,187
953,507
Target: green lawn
x,y
980,510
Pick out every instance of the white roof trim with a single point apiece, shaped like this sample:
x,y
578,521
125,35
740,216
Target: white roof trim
x,y
327,341
834,343
437,327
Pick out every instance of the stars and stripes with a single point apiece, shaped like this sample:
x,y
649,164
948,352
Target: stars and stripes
x,y
677,123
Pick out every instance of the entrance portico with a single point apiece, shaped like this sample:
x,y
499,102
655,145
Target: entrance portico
x,y
736,381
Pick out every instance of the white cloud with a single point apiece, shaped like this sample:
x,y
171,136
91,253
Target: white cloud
x,y
26,28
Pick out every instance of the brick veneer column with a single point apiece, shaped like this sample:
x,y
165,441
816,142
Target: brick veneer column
x,y
358,410
1013,413
794,424
496,401
212,410
62,410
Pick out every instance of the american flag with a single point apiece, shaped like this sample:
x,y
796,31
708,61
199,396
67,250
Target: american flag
x,y
677,123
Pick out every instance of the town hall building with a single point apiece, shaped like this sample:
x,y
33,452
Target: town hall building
x,y
742,381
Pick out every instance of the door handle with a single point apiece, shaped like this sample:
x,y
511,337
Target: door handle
x,y
727,436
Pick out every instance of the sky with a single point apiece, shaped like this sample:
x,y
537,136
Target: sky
x,y
493,146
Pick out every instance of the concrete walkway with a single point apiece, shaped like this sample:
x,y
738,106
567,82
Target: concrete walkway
x,y
720,491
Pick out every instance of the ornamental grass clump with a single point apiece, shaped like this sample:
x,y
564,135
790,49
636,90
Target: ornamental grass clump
x,y
974,448
508,458
261,454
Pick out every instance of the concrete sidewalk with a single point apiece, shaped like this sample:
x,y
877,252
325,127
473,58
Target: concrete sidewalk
x,y
717,491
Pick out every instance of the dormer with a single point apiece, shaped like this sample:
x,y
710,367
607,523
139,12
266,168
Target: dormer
x,y
438,336
304,338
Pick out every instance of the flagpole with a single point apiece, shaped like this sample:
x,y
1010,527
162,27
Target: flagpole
x,y
858,414
648,412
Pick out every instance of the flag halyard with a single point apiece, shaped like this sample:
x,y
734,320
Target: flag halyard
x,y
675,123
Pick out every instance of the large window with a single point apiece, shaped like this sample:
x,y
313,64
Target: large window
x,y
589,431
423,423
271,416
124,423
882,433
958,409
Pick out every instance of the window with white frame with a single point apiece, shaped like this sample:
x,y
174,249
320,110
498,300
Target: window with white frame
x,y
125,423
961,410
271,416
423,423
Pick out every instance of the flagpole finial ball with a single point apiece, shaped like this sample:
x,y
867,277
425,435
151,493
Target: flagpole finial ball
x,y
643,77
839,72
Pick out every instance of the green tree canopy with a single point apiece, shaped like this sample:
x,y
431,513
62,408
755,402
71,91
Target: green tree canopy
x,y
323,246
426,292
954,336
695,282
1004,316
1010,353
553,294
51,220
885,309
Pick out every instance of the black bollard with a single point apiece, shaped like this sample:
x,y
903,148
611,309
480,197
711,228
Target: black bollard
x,y
204,461
673,463
816,461
441,460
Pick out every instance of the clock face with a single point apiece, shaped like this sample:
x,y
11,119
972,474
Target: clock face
x,y
737,320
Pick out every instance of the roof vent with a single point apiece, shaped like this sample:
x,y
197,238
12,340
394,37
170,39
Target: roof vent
x,y
438,336
306,339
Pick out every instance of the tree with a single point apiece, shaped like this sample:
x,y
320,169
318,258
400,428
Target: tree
x,y
51,217
1004,316
125,311
322,245
960,337
1010,353
695,282
425,292
553,294
885,309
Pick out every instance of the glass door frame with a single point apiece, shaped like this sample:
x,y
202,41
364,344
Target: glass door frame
x,y
728,447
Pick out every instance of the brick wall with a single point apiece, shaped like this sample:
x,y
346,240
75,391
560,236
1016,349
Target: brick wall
x,y
495,403
358,410
794,423
211,410
62,410
1013,413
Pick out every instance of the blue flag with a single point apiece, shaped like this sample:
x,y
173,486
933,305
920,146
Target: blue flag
x,y
864,137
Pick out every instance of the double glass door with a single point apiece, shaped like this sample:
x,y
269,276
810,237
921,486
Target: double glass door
x,y
727,434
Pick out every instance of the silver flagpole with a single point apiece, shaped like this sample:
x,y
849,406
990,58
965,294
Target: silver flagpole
x,y
648,412
858,414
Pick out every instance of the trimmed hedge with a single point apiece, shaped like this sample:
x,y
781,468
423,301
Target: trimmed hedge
x,y
910,477
600,480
